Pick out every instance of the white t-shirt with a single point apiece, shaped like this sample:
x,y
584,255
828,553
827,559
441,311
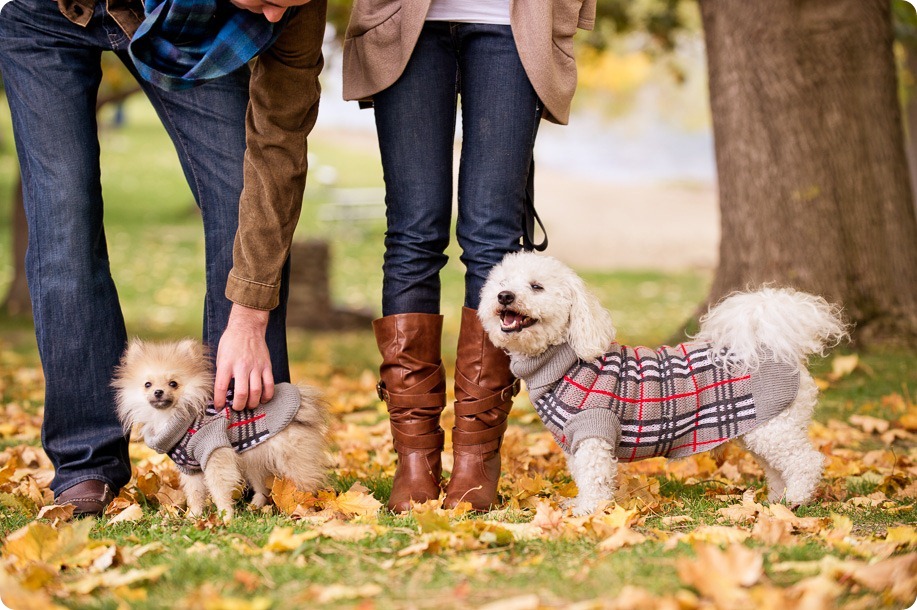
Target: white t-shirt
x,y
470,11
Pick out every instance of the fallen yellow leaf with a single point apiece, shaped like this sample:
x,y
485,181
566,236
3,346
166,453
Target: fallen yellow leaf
x,y
131,513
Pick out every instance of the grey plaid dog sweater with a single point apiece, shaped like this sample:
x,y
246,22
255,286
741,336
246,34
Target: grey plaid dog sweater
x,y
190,438
672,401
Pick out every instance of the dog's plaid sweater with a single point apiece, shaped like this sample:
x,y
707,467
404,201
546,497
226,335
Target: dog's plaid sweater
x,y
190,439
673,401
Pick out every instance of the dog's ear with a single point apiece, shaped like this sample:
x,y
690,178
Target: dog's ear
x,y
590,330
135,348
191,347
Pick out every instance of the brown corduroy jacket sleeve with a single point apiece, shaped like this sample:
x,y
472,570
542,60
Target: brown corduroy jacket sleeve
x,y
282,111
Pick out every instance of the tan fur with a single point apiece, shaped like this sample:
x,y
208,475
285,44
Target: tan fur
x,y
183,375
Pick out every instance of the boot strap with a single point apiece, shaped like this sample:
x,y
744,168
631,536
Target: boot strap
x,y
408,401
464,441
498,399
409,439
418,395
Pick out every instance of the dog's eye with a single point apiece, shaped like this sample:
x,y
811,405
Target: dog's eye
x,y
536,286
173,384
148,385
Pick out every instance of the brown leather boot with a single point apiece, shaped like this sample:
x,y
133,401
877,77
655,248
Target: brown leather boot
x,y
413,387
484,390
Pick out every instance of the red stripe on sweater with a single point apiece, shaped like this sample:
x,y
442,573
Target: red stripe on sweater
x,y
591,386
640,415
696,393
695,444
247,421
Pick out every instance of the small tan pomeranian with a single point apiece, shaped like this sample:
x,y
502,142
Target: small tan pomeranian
x,y
168,388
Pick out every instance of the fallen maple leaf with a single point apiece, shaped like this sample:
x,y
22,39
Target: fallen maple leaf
x,y
720,575
40,542
869,425
896,576
111,580
622,537
841,366
14,595
356,501
903,536
131,513
287,498
337,592
772,531
713,534
55,512
548,518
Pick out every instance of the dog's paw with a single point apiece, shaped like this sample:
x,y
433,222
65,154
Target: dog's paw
x,y
259,500
567,503
584,506
226,515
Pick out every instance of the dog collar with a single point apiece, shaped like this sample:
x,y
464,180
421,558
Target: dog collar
x,y
541,373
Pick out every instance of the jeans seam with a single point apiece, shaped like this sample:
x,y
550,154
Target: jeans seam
x,y
167,113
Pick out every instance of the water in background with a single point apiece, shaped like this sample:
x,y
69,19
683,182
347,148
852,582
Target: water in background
x,y
659,133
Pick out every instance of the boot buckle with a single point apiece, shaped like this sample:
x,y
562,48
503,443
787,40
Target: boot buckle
x,y
511,390
381,392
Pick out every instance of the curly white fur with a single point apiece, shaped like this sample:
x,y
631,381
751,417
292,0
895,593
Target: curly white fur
x,y
779,324
545,290
774,324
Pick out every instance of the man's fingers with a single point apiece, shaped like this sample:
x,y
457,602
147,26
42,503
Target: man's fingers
x,y
240,393
220,387
254,390
268,392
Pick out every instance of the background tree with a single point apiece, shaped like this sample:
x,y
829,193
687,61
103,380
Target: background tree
x,y
117,85
813,179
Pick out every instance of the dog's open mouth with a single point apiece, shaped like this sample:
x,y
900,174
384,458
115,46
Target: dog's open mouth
x,y
161,404
513,321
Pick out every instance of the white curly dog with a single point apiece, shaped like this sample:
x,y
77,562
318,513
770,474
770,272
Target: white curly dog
x,y
743,376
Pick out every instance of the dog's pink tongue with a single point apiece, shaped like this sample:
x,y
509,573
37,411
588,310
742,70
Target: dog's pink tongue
x,y
509,318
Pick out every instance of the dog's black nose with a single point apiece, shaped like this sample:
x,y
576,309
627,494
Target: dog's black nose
x,y
158,393
506,297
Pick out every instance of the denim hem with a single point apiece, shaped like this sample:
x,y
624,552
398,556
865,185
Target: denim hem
x,y
89,477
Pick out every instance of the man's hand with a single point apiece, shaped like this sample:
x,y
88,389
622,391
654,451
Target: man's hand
x,y
243,356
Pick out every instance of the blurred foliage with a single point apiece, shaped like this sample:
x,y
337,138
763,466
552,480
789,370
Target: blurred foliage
x,y
905,17
661,20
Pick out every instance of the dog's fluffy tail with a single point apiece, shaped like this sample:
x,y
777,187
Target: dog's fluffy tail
x,y
772,324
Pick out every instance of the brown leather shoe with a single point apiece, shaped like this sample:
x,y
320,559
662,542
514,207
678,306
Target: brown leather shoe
x,y
413,387
89,498
484,390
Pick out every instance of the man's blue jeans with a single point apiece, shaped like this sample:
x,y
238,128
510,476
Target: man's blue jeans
x,y
51,70
415,121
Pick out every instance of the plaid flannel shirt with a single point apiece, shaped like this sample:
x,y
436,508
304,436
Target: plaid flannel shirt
x,y
184,43
672,401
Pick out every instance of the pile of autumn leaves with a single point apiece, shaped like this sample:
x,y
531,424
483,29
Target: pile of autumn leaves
x,y
53,557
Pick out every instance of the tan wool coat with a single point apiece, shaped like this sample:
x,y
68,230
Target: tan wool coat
x,y
382,34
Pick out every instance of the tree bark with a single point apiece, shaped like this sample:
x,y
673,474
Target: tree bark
x,y
813,178
910,114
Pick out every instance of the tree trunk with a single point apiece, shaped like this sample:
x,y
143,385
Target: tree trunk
x,y
910,114
813,177
18,302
